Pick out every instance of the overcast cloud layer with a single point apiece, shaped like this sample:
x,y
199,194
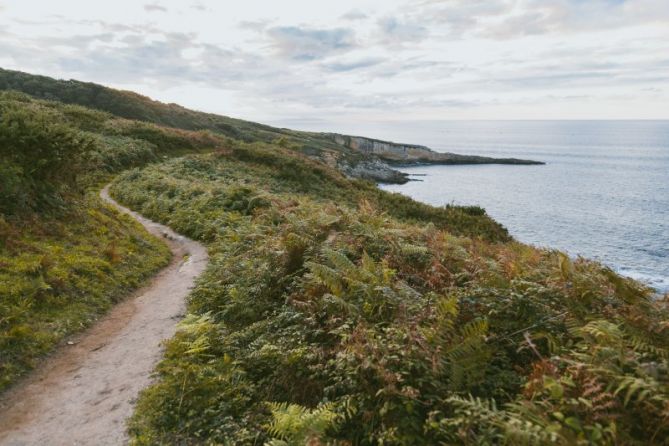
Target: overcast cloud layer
x,y
329,64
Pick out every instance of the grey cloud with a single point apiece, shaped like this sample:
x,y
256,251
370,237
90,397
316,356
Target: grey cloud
x,y
143,59
157,58
81,41
417,68
305,44
154,7
455,17
398,32
198,6
256,25
504,19
580,75
354,15
538,17
404,102
543,80
352,65
146,55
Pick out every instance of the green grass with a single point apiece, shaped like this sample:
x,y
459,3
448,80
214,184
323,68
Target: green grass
x,y
65,258
59,274
132,106
330,316
266,169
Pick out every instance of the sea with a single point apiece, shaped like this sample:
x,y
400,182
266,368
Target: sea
x,y
602,194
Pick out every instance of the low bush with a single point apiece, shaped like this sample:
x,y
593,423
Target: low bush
x,y
39,158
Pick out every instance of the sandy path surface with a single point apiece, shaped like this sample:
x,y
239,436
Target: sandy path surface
x,y
83,394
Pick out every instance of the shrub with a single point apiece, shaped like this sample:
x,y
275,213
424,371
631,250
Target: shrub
x,y
39,158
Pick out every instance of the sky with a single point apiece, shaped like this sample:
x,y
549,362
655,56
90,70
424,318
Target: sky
x,y
343,64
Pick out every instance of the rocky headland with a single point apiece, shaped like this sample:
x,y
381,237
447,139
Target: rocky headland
x,y
379,158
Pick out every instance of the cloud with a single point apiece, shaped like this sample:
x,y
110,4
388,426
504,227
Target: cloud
x,y
305,44
353,65
199,6
418,58
417,68
455,18
154,7
354,14
254,25
155,57
398,32
506,19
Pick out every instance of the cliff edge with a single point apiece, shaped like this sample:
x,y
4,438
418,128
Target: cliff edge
x,y
410,154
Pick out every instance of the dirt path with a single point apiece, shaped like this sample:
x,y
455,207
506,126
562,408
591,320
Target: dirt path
x,y
84,393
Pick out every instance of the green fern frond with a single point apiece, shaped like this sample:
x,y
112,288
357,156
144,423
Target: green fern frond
x,y
641,344
603,331
637,388
566,266
296,425
340,261
327,276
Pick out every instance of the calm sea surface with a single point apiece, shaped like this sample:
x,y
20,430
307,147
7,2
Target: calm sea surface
x,y
603,194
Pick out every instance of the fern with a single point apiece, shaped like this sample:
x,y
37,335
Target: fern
x,y
638,389
341,262
602,331
328,277
295,425
197,331
566,266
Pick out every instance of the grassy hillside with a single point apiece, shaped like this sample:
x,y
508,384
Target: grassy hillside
x,y
65,258
129,105
331,315
356,160
60,273
331,312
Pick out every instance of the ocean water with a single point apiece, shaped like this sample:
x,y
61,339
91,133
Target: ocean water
x,y
603,194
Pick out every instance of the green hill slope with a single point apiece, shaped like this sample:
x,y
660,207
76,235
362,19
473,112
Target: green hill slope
x,y
328,316
353,159
65,258
331,312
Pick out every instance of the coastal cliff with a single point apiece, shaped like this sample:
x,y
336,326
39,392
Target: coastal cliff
x,y
354,156
411,154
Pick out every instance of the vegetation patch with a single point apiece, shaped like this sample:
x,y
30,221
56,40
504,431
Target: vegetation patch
x,y
331,312
329,316
62,273
65,258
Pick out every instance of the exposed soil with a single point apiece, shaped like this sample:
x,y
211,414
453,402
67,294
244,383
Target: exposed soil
x,y
83,393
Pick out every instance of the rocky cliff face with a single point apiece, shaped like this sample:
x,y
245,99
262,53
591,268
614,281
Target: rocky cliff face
x,y
383,149
373,170
408,154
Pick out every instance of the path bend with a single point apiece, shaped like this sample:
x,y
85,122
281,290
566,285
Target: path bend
x,y
83,394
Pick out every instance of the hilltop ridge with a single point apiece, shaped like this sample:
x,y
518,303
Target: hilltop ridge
x,y
355,156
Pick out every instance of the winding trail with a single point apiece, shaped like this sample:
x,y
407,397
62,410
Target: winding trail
x,y
84,393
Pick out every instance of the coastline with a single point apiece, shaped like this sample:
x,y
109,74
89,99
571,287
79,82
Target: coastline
x,y
423,180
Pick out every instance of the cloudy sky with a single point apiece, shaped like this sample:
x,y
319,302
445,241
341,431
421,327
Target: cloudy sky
x,y
325,65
